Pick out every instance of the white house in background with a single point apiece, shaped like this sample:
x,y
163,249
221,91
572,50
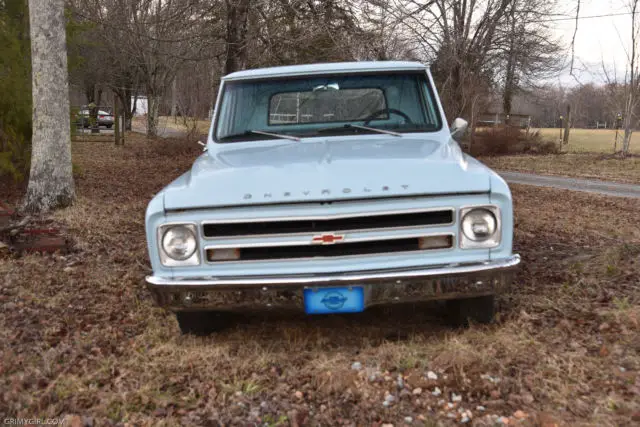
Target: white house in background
x,y
142,105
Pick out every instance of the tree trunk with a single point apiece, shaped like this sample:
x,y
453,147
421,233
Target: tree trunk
x,y
124,95
628,122
567,126
116,123
129,109
627,139
237,20
509,81
174,102
152,115
51,178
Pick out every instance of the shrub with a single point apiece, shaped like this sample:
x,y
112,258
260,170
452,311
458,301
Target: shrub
x,y
507,140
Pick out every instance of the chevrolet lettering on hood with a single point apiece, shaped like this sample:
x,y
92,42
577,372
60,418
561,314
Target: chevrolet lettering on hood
x,y
326,192
330,188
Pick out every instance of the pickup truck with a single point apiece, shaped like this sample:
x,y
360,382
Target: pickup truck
x,y
330,188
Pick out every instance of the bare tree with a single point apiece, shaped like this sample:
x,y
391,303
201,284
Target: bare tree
x,y
529,52
633,82
146,42
51,179
237,22
460,39
625,96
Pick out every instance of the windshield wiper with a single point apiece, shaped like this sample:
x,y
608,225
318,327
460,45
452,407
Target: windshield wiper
x,y
277,135
350,126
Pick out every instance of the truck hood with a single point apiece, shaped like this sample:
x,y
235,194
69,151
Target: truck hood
x,y
327,169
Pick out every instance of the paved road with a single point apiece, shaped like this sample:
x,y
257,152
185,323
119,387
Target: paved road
x,y
589,185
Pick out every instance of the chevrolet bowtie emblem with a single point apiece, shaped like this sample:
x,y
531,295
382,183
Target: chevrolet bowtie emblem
x,y
327,239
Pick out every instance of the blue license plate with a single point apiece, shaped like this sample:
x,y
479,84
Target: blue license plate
x,y
334,300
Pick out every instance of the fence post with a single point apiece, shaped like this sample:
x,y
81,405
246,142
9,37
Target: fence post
x,y
561,127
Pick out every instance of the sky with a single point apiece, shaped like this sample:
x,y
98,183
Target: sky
x,y
598,40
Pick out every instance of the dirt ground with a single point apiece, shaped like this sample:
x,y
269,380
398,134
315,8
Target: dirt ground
x,y
81,338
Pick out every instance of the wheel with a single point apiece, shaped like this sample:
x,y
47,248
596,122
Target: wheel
x,y
202,322
109,126
476,310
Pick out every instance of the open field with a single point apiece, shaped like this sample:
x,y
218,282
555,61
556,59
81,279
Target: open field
x,y
201,126
579,165
591,140
80,335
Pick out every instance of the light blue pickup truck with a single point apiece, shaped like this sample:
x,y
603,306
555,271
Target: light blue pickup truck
x,y
332,188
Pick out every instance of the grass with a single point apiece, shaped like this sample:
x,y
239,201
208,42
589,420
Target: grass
x,y
591,140
80,335
200,126
580,165
585,157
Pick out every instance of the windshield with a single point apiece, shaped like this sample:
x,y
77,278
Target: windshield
x,y
327,105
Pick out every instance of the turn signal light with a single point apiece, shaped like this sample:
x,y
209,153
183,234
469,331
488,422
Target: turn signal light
x,y
223,254
435,242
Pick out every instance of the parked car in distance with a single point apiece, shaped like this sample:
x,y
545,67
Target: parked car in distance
x,y
104,118
330,188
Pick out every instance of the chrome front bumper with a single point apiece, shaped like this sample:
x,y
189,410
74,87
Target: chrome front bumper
x,y
381,286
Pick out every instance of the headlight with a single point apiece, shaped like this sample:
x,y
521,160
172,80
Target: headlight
x,y
480,227
178,245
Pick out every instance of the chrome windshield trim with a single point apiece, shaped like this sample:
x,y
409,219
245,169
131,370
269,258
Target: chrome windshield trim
x,y
496,266
275,135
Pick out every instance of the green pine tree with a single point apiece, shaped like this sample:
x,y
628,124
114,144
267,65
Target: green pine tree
x,y
15,87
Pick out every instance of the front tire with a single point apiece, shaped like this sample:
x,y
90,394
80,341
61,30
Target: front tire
x,y
481,310
202,323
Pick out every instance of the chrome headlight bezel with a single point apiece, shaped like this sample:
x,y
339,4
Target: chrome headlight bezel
x,y
165,258
493,241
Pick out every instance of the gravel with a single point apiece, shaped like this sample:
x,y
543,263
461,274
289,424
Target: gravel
x,y
400,382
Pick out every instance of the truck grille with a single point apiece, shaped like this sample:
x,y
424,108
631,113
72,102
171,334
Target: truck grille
x,y
412,219
367,233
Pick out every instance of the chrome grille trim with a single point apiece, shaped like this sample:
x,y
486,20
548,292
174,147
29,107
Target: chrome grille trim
x,y
306,239
329,217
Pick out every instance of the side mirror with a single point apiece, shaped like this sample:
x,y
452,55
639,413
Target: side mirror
x,y
458,128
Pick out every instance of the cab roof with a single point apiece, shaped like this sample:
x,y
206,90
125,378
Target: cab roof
x,y
328,68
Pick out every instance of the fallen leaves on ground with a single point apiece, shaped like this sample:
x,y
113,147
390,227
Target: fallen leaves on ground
x,y
81,338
